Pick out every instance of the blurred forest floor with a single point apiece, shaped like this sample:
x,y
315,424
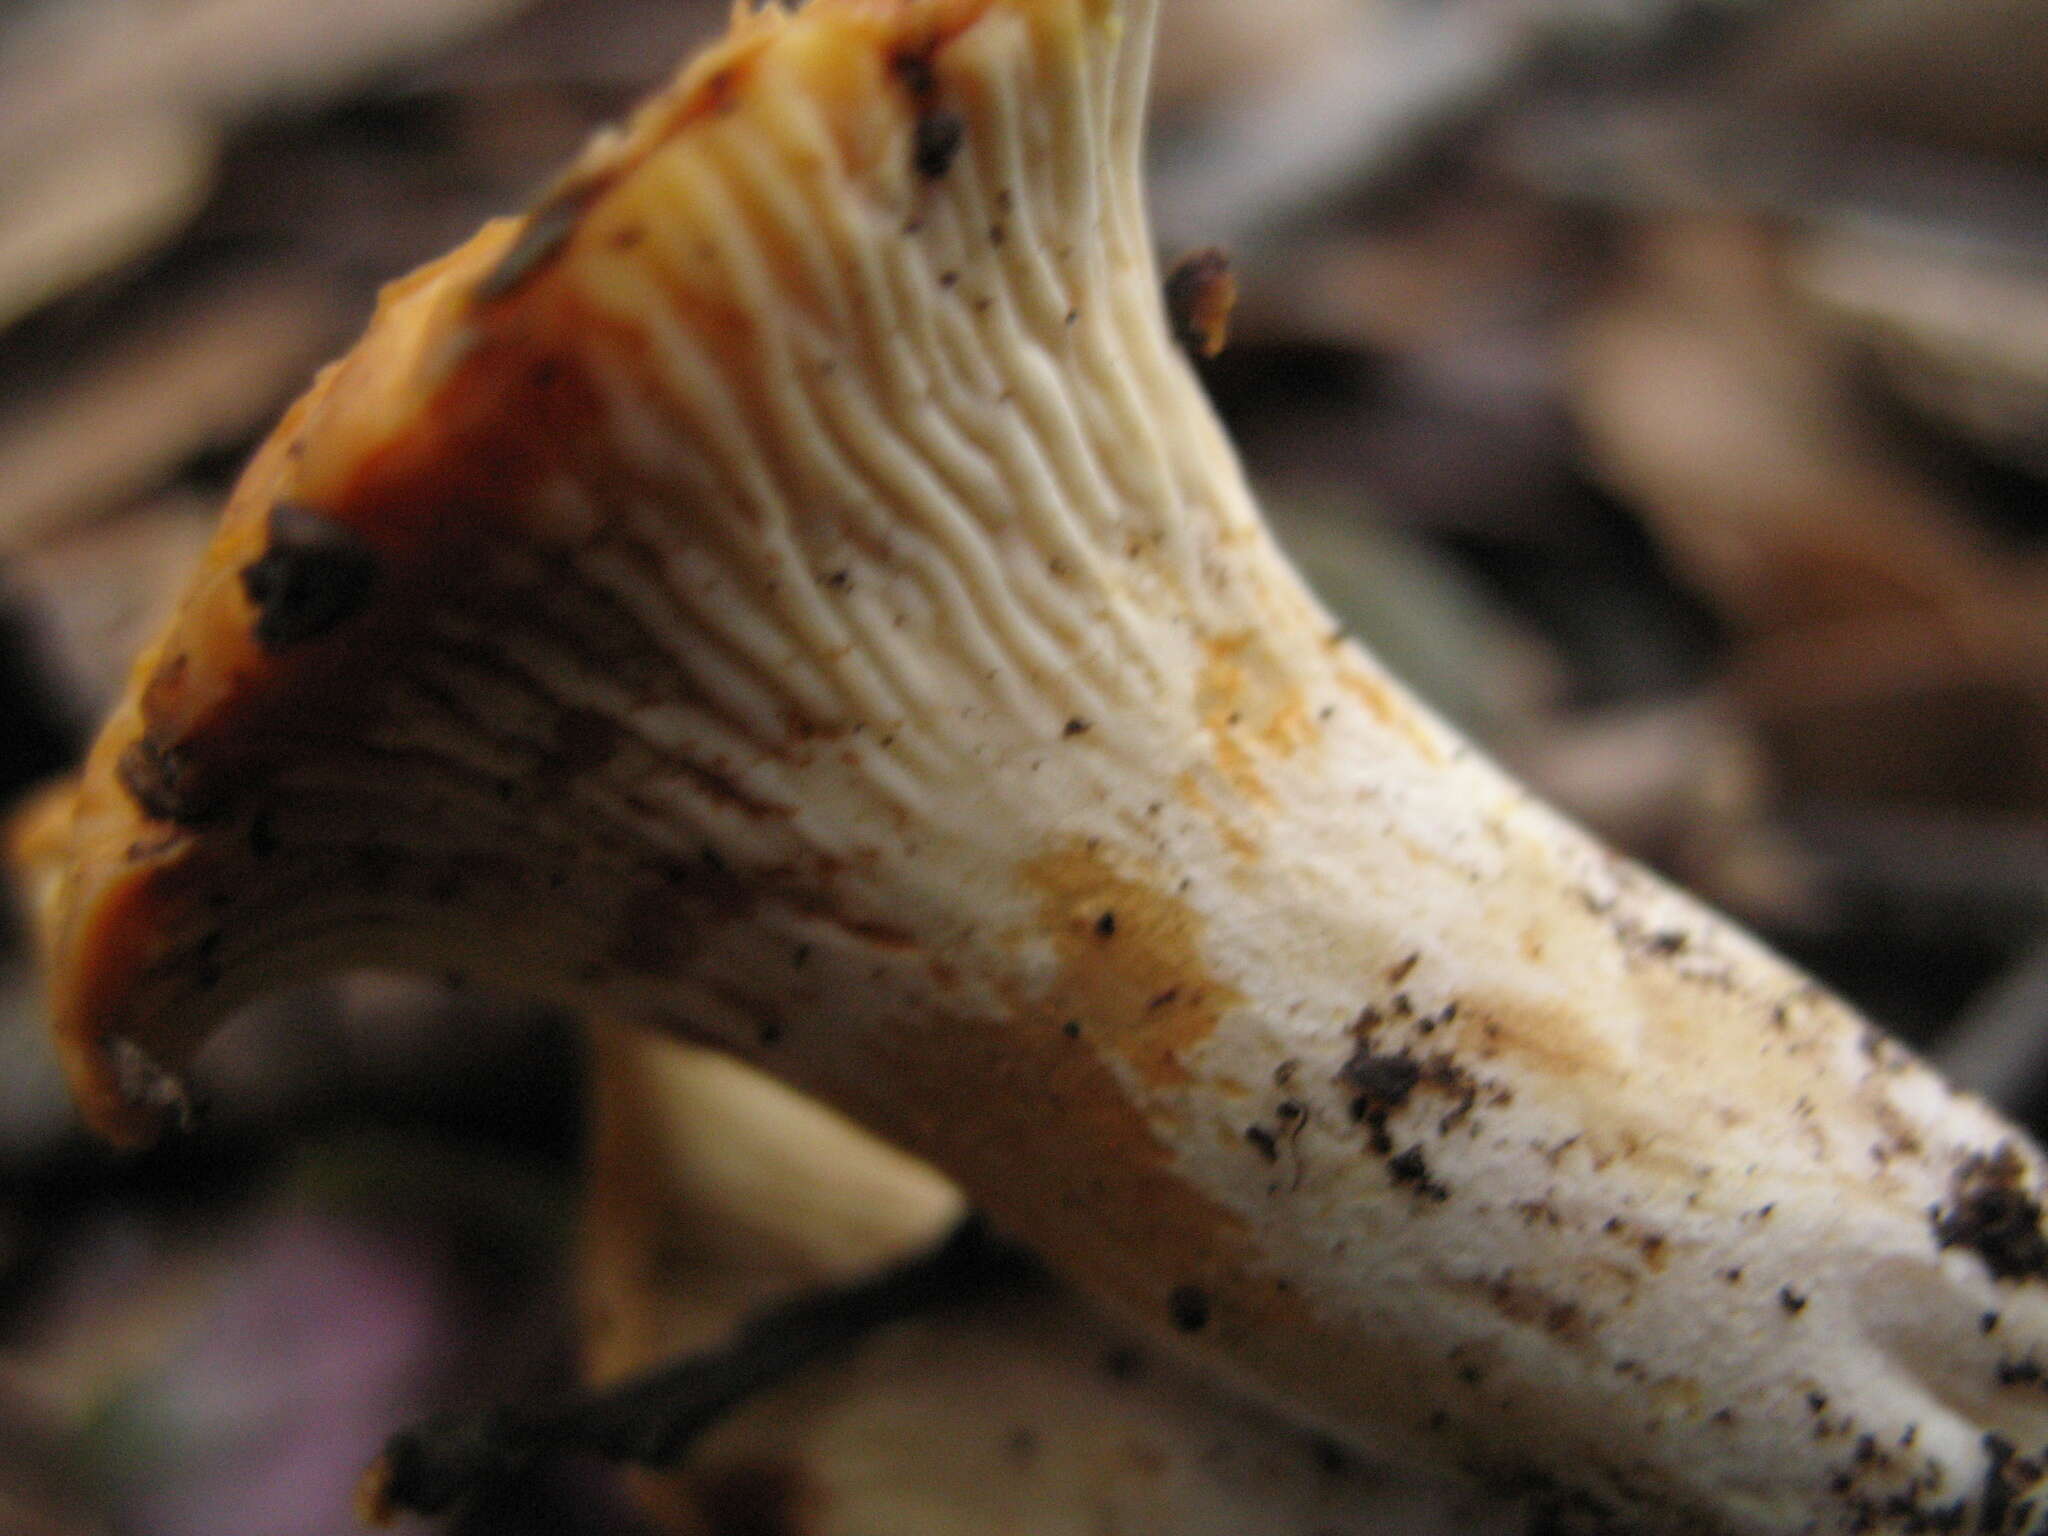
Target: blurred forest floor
x,y
1661,387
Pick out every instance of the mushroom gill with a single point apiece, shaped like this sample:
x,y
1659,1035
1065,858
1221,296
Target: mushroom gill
x,y
788,590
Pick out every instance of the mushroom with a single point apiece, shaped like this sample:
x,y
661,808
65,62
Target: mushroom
x,y
715,1192
788,591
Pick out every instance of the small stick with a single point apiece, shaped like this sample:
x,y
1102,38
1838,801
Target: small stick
x,y
652,1419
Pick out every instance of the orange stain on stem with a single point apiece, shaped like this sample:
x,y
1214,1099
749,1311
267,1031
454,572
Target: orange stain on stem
x,y
1253,707
1132,974
1234,837
1387,709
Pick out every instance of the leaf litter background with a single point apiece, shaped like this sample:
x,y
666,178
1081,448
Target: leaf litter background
x,y
1661,385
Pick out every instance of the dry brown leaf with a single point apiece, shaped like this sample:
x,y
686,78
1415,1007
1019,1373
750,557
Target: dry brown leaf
x,y
1963,74
1704,403
1427,280
1888,647
96,201
110,116
1215,54
202,376
215,58
1959,334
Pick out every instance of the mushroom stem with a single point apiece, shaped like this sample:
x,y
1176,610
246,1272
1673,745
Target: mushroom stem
x,y
789,590
715,1193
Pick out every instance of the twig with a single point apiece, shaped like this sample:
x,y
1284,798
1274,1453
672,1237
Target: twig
x,y
652,1419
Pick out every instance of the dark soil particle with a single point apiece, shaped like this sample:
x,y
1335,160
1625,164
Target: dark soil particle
x,y
1990,1212
913,67
935,142
1381,1082
1411,1168
1124,1364
1997,1493
1188,1306
315,574
156,776
2023,1372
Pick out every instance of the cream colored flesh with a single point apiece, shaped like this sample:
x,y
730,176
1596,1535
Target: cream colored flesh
x,y
714,1191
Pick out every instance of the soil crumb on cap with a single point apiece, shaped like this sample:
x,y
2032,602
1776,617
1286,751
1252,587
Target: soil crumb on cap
x,y
1991,1213
315,574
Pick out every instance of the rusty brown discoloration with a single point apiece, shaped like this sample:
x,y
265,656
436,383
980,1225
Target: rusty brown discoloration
x,y
1251,706
1125,1197
1131,962
1992,1211
1201,291
1387,709
1122,1214
1234,837
1556,1040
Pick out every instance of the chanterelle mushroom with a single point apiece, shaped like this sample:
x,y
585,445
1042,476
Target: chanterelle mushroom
x,y
714,1192
788,589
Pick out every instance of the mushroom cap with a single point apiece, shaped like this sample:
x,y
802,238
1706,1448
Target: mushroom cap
x,y
624,349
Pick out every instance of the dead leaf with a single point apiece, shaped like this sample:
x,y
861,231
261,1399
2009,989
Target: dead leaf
x,y
204,375
96,202
218,59
1955,331
1888,647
